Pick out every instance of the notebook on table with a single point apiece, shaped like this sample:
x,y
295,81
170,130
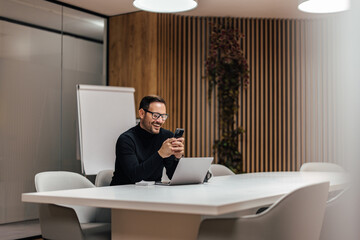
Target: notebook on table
x,y
190,171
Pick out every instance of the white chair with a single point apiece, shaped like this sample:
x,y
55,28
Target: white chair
x,y
220,170
69,222
296,216
341,218
103,178
321,167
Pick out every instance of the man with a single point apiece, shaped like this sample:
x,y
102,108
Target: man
x,y
143,151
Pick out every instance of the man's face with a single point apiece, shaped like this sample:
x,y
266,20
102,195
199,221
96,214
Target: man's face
x,y
146,119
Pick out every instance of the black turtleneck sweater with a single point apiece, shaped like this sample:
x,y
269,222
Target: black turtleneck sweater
x,y
137,157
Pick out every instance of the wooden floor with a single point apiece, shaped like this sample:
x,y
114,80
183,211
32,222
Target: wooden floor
x,y
27,230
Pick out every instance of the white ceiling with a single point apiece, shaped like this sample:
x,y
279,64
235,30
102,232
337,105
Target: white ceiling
x,y
226,8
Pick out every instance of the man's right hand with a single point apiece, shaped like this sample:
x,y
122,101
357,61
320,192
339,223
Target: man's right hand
x,y
167,149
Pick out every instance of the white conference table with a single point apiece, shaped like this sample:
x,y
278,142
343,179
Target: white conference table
x,y
175,212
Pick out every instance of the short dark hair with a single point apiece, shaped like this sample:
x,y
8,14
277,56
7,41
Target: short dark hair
x,y
145,102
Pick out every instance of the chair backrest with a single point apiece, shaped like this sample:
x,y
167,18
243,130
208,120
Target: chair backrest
x,y
62,180
103,178
321,167
220,170
341,219
298,215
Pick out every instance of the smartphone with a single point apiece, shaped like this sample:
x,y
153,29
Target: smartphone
x,y
179,132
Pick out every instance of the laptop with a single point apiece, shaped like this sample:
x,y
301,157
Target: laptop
x,y
190,171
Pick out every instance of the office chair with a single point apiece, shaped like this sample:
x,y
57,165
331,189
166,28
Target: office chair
x,y
321,167
296,216
220,170
103,178
341,218
69,222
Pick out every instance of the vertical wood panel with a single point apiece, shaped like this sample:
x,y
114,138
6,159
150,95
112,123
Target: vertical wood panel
x,y
293,89
183,82
169,72
193,68
206,122
276,103
302,92
288,115
244,138
199,147
298,145
257,96
283,95
188,105
283,125
271,94
133,52
266,92
261,102
178,71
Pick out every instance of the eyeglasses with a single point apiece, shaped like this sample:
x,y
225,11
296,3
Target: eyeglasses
x,y
156,115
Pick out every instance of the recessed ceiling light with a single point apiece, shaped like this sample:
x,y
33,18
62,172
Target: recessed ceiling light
x,y
165,6
323,6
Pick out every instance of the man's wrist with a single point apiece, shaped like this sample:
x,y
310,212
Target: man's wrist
x,y
160,154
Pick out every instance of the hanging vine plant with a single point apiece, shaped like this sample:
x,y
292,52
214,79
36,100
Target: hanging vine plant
x,y
228,71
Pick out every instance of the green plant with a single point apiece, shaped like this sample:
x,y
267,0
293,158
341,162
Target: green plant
x,y
227,69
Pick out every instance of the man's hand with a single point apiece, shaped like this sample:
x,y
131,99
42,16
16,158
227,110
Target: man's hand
x,y
172,146
178,147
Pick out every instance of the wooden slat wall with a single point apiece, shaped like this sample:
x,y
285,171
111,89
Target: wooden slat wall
x,y
287,109
133,59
